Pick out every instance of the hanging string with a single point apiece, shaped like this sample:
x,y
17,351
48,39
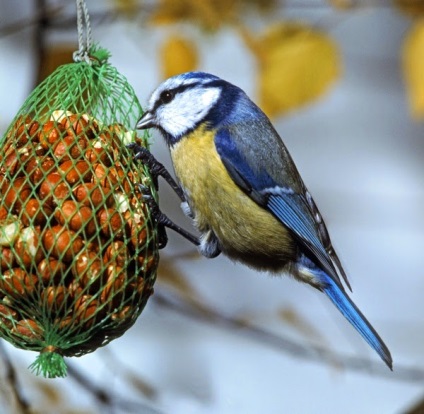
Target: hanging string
x,y
84,33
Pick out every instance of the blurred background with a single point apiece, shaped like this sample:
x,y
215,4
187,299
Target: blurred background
x,y
343,81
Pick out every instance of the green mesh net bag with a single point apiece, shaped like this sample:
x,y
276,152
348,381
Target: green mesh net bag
x,y
78,249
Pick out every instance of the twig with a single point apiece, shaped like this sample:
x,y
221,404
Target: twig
x,y
40,38
54,20
417,408
310,352
57,22
105,397
20,25
11,379
356,5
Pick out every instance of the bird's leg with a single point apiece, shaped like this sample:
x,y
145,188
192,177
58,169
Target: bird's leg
x,y
164,221
156,168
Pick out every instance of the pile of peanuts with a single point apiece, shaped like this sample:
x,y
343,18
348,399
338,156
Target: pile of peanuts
x,y
75,241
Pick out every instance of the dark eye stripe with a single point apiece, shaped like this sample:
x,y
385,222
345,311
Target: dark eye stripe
x,y
174,92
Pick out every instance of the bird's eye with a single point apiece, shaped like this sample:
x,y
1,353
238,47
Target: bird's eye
x,y
166,97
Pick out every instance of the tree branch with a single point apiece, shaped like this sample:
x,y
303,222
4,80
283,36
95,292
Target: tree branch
x,y
105,396
322,355
12,381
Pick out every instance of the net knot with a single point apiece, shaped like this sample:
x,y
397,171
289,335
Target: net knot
x,y
84,34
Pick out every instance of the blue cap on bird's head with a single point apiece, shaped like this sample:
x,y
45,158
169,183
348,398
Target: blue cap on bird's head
x,y
199,76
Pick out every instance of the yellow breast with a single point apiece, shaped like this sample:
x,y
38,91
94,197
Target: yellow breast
x,y
246,231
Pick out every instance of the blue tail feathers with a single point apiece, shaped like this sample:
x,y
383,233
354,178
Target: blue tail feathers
x,y
351,312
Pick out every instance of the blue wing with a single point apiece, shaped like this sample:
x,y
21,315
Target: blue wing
x,y
288,205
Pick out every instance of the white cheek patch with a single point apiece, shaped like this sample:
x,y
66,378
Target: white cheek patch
x,y
209,96
187,109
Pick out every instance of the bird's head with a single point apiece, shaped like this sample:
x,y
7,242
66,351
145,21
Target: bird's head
x,y
183,102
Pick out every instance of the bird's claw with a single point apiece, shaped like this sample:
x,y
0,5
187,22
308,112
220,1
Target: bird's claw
x,y
155,167
156,214
146,193
143,154
147,197
162,221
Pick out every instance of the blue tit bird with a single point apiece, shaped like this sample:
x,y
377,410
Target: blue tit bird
x,y
240,186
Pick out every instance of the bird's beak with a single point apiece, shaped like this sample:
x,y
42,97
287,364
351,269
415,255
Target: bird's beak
x,y
146,121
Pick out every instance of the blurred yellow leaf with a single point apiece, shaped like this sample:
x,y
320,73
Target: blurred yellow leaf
x,y
178,55
209,14
343,4
262,5
54,57
252,42
411,7
127,7
413,68
297,64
